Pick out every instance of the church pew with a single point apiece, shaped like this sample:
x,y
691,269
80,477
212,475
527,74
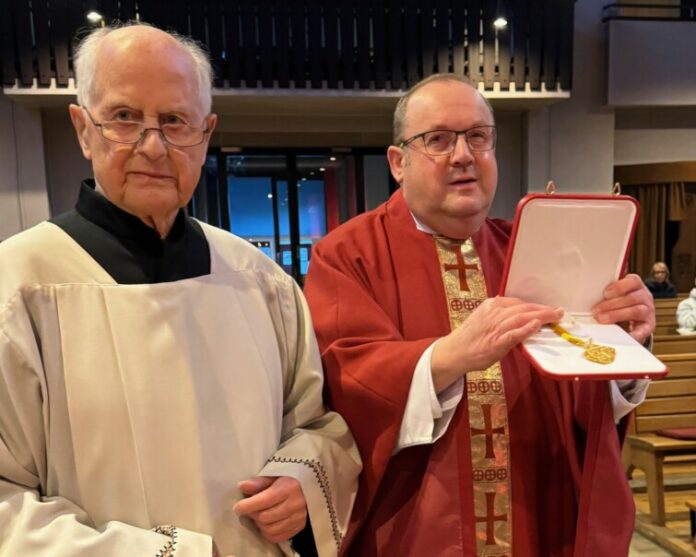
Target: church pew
x,y
667,308
670,302
666,316
669,403
666,328
673,344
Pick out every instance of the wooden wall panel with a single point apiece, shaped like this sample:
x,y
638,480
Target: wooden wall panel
x,y
379,34
411,42
331,38
520,27
347,45
265,47
314,19
7,45
443,36
395,44
362,47
299,44
458,22
488,16
474,40
427,39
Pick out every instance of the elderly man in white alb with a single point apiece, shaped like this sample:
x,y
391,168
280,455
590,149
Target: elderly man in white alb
x,y
160,386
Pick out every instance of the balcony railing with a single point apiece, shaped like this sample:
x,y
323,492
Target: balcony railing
x,y
679,11
311,44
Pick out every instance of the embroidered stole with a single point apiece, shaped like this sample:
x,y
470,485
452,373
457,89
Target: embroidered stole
x,y
465,289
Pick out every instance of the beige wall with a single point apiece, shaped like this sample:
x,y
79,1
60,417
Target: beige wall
x,y
509,152
23,193
65,165
645,136
572,142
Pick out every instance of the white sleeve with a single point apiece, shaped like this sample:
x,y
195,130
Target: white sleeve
x,y
427,414
317,448
686,314
32,523
626,395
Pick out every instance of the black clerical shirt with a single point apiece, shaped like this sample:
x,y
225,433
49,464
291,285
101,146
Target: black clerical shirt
x,y
129,250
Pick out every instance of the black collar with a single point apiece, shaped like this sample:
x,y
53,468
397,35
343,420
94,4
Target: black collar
x,y
98,209
129,250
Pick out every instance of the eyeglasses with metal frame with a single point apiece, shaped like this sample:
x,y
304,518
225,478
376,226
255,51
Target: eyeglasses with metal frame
x,y
130,132
442,142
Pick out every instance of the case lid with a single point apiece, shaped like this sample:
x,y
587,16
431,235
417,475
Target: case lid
x,y
567,249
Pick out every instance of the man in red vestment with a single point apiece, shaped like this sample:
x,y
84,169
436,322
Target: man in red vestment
x,y
467,450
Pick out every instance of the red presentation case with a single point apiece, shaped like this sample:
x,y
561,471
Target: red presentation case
x,y
565,249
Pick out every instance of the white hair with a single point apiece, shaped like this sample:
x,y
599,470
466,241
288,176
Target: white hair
x,y
86,58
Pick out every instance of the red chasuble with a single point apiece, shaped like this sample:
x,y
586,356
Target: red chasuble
x,y
377,299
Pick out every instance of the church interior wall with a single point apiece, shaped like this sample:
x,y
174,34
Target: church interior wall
x,y
23,192
655,135
576,142
376,171
662,78
509,153
572,142
65,165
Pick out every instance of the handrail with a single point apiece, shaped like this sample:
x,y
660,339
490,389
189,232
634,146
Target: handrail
x,y
611,12
348,45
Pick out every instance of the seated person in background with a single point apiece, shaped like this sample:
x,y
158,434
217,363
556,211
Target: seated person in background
x,y
686,314
659,284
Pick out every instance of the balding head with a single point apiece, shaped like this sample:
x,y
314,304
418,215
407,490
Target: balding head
x,y
93,53
400,112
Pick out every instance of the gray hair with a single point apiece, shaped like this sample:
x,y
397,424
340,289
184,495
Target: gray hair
x,y
401,105
86,58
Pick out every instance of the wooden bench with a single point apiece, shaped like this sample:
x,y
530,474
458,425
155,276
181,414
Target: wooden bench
x,y
666,328
673,344
670,403
691,505
666,315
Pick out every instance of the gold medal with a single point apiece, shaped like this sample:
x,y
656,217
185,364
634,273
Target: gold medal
x,y
597,353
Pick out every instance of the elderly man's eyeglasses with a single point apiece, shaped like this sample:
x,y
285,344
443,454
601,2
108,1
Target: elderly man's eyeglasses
x,y
443,142
177,134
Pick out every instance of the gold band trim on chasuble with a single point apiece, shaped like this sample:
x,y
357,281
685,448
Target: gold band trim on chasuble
x,y
465,289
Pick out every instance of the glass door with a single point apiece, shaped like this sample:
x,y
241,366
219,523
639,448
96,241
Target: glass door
x,y
283,203
259,209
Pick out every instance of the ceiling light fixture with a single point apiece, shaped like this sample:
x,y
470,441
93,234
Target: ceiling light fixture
x,y
500,23
94,17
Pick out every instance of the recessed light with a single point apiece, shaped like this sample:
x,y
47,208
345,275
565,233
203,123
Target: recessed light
x,y
94,16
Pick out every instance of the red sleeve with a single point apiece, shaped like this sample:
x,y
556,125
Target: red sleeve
x,y
368,363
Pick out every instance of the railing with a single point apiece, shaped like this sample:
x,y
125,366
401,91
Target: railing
x,y
684,11
311,44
